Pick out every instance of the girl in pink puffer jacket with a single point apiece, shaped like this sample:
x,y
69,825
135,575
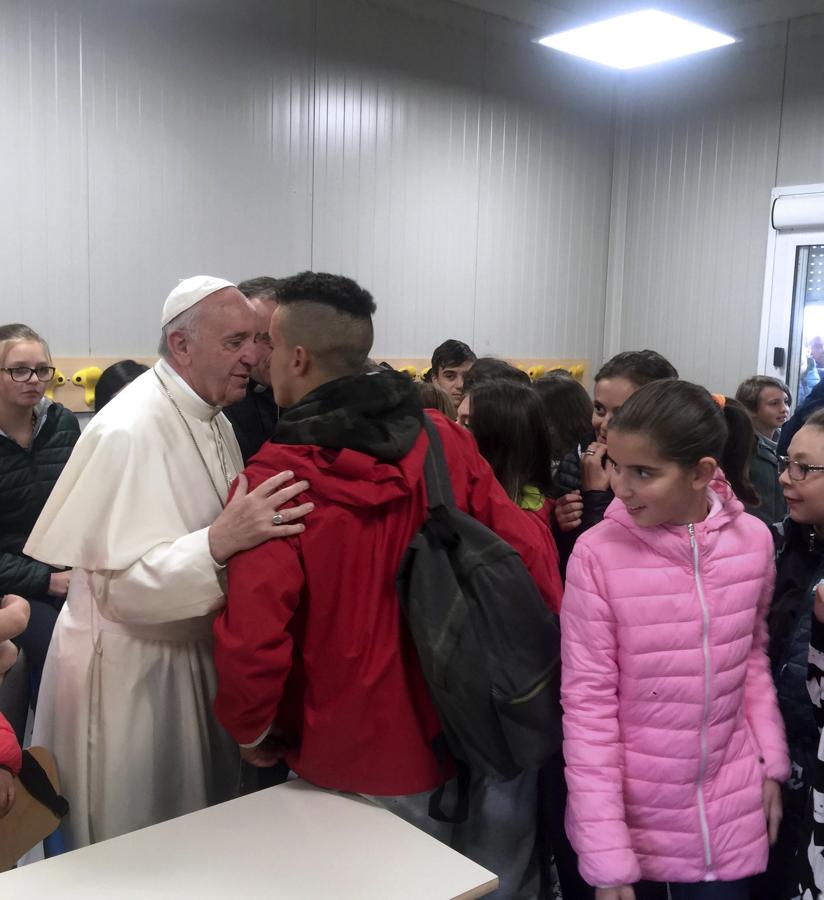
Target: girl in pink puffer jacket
x,y
673,740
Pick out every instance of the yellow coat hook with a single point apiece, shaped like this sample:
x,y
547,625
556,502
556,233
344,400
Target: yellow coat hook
x,y
87,379
58,381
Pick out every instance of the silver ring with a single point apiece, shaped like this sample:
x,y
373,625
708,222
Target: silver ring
x,y
589,452
277,519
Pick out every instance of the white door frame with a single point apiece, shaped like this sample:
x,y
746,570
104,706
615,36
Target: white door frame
x,y
779,281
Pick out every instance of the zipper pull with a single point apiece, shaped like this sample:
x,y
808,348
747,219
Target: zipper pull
x,y
691,530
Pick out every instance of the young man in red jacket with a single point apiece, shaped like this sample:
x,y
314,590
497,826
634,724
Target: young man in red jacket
x,y
313,656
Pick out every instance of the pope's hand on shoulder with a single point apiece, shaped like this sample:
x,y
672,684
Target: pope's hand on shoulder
x,y
252,517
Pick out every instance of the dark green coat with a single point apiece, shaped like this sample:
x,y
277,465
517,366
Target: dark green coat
x,y
26,480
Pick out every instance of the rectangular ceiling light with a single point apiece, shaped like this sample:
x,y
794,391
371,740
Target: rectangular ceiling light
x,y
637,39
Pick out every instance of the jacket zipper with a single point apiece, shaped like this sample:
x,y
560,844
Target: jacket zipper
x,y
702,812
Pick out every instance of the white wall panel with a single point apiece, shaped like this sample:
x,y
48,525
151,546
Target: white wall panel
x,y
199,154
151,140
396,169
801,159
43,219
544,205
704,143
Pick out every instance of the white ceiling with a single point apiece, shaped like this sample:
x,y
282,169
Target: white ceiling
x,y
734,15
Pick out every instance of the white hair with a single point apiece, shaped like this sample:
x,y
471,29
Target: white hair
x,y
188,321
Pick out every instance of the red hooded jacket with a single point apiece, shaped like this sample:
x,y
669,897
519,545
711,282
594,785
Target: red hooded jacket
x,y
312,636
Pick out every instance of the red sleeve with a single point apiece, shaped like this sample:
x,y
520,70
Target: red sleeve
x,y
252,643
487,502
11,756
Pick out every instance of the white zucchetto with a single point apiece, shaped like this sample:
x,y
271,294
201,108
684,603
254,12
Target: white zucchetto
x,y
188,292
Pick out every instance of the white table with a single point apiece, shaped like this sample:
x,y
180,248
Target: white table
x,y
291,842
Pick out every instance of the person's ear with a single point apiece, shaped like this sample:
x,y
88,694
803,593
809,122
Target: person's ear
x,y
301,361
180,346
703,473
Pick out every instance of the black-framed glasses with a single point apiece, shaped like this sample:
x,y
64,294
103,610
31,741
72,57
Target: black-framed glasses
x,y
24,373
797,470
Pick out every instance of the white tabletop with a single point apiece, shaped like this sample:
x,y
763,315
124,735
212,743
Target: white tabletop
x,y
291,842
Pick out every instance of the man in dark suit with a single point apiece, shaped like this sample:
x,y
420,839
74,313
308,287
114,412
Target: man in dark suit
x,y
255,416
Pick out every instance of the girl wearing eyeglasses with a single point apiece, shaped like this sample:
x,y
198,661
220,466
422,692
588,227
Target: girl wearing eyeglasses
x,y
800,567
36,438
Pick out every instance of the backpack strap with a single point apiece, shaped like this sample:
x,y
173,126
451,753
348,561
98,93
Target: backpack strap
x,y
436,473
462,780
35,780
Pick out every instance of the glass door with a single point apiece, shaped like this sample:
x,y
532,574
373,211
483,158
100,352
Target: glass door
x,y
794,345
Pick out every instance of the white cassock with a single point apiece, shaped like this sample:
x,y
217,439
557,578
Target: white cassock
x,y
125,703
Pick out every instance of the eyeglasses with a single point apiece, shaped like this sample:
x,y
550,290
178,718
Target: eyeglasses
x,y
798,470
24,373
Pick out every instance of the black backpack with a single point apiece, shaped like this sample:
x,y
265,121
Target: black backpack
x,y
488,645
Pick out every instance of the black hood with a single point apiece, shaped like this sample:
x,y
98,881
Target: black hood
x,y
379,415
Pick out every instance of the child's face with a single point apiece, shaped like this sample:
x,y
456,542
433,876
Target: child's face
x,y
610,395
29,393
805,499
773,410
655,491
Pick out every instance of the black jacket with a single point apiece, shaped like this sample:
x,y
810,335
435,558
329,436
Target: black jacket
x,y
26,480
253,419
800,566
764,477
814,401
568,479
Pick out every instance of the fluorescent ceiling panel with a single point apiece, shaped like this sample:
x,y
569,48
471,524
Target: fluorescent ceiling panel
x,y
637,39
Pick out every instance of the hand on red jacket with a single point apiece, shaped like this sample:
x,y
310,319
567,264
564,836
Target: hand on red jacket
x,y
248,518
623,892
773,810
6,791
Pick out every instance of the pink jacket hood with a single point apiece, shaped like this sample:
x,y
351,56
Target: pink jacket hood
x,y
668,540
670,719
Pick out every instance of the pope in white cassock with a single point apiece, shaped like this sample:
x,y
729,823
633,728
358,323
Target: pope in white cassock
x,y
140,513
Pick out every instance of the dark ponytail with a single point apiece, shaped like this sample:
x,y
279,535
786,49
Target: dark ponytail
x,y
686,424
738,451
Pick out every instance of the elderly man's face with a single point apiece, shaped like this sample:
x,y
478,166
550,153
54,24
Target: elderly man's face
x,y
263,314
223,348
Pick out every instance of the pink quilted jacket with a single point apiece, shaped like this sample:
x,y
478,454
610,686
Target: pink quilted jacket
x,y
671,723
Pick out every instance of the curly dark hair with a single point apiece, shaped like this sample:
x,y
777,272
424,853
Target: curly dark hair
x,y
343,294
